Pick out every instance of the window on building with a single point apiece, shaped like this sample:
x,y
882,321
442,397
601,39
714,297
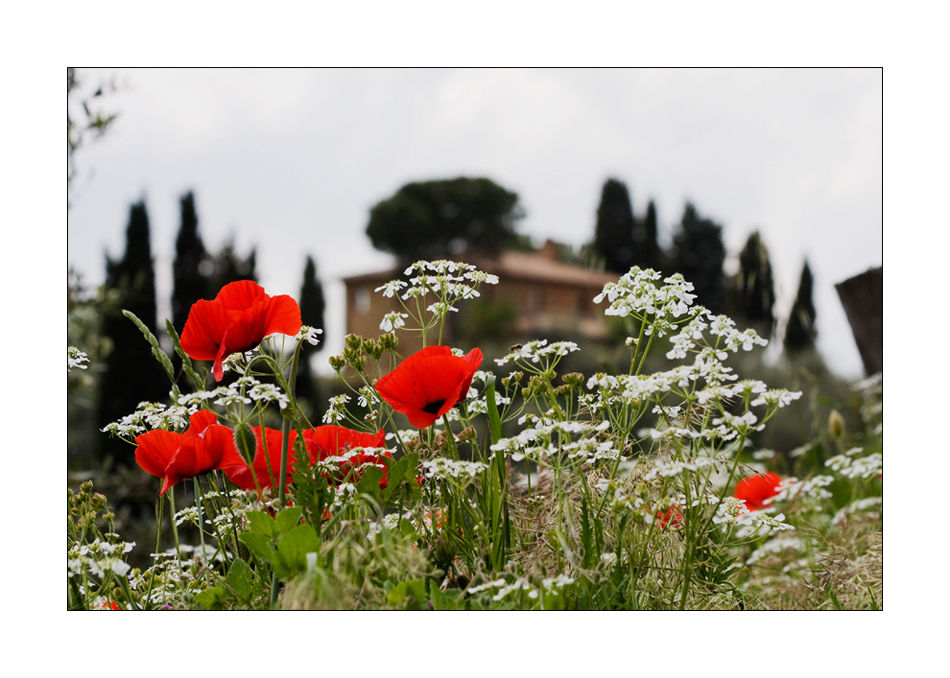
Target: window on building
x,y
362,300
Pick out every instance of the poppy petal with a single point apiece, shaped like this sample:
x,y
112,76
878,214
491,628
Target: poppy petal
x,y
204,330
240,295
429,383
155,449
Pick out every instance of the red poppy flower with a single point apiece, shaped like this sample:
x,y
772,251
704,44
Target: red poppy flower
x,y
235,321
757,490
205,446
324,442
429,383
670,516
267,476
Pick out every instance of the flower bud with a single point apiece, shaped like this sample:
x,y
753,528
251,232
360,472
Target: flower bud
x,y
245,441
372,348
389,341
574,379
836,423
337,362
353,341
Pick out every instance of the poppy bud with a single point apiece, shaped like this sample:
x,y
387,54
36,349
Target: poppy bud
x,y
836,423
246,444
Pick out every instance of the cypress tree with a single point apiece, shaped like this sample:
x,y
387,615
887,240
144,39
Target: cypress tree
x,y
312,306
800,332
131,374
754,287
647,252
191,266
698,253
613,233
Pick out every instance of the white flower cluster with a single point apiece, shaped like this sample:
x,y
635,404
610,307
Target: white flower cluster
x,y
393,321
390,522
265,393
151,416
443,469
861,505
97,558
75,358
733,511
675,468
309,334
546,439
238,361
534,351
243,391
637,294
811,488
504,588
333,415
852,466
444,283
776,545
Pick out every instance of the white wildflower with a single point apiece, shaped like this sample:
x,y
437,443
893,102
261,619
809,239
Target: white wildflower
x,y
75,358
393,321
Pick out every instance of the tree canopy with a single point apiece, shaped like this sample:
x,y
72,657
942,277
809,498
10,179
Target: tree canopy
x,y
754,287
439,219
613,233
800,333
131,374
698,253
190,268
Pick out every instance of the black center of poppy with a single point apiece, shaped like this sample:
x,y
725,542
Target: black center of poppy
x,y
434,406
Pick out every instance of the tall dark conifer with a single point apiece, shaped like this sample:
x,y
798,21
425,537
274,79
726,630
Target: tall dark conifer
x,y
312,306
754,287
698,253
800,333
646,249
131,372
613,233
191,268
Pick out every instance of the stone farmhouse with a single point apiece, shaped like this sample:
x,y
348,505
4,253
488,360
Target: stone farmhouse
x,y
547,295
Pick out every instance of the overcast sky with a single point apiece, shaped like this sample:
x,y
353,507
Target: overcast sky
x,y
290,162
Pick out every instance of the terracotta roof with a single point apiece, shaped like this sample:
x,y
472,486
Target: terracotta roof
x,y
540,266
513,265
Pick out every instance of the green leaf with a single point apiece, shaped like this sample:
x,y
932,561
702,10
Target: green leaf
x,y
240,579
261,547
402,470
157,351
186,363
293,549
369,482
288,518
412,593
262,524
211,599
